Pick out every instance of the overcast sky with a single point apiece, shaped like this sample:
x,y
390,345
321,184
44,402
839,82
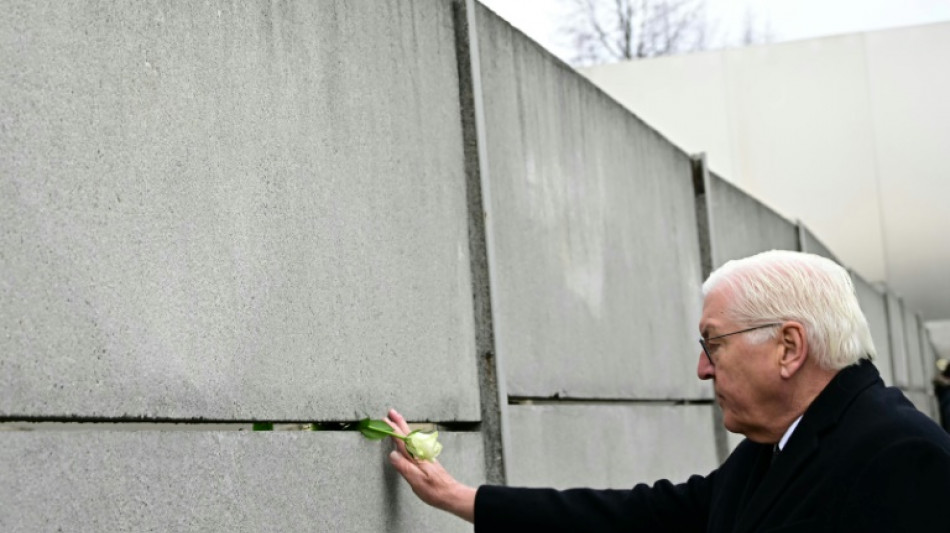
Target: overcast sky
x,y
786,19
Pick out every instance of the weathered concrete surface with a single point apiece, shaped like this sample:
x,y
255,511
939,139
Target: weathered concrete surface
x,y
874,306
915,355
216,481
809,242
233,210
895,321
740,225
594,234
609,445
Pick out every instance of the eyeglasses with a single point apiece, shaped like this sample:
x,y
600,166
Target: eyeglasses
x,y
702,342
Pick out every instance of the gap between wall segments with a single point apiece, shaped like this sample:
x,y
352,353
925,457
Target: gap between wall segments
x,y
158,424
567,400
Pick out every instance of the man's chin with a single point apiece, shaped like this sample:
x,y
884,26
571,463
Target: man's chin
x,y
730,423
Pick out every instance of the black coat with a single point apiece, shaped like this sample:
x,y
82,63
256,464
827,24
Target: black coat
x,y
863,459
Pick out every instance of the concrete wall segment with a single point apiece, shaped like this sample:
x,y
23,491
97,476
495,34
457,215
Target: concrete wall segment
x,y
897,335
930,353
874,306
217,481
609,445
597,259
740,225
810,243
915,355
233,210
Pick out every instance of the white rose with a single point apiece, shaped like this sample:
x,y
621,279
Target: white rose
x,y
423,446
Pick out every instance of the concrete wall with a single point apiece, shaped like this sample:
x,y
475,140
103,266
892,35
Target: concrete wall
x,y
874,305
584,195
740,225
215,481
230,212
809,242
192,212
895,321
915,356
616,445
213,215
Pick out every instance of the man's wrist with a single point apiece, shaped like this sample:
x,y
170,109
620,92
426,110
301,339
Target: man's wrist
x,y
461,502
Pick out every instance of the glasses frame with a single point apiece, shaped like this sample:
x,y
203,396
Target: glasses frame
x,y
702,341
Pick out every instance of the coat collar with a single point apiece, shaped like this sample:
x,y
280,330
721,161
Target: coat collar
x,y
823,414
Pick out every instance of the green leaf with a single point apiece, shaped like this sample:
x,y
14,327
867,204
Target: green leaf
x,y
263,426
377,430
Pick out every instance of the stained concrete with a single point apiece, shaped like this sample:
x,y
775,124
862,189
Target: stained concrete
x,y
210,481
231,210
895,321
740,225
609,445
874,306
810,243
594,234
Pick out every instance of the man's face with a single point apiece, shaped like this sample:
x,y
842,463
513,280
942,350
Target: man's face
x,y
746,376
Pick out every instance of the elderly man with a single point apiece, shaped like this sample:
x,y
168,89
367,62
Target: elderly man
x,y
828,447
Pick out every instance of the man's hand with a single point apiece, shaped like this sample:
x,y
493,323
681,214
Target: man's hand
x,y
431,483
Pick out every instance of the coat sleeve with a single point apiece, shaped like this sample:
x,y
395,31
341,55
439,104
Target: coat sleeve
x,y
664,507
906,487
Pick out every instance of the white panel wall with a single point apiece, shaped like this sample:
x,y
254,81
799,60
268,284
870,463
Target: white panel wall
x,y
845,133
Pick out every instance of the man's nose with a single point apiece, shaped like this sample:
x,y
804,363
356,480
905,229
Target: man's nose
x,y
704,369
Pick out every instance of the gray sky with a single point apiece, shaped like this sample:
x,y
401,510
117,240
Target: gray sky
x,y
786,19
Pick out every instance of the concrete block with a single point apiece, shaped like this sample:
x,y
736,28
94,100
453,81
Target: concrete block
x,y
930,352
216,481
594,234
895,321
810,243
874,306
233,210
609,445
740,225
915,356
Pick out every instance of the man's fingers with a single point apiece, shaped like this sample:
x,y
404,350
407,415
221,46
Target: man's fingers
x,y
394,425
399,421
402,464
400,445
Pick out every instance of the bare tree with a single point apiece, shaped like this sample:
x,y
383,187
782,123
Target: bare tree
x,y
754,30
617,30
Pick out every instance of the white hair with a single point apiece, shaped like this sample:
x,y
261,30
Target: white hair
x,y
779,286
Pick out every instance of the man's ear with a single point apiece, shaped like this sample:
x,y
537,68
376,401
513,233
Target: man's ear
x,y
794,348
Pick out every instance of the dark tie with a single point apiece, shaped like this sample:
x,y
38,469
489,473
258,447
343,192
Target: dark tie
x,y
775,452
